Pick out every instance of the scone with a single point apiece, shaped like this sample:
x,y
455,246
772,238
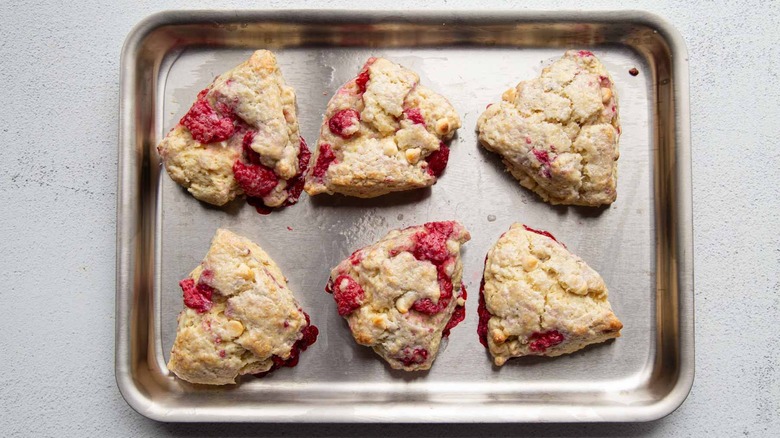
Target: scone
x,y
539,299
240,317
240,137
382,132
558,134
402,294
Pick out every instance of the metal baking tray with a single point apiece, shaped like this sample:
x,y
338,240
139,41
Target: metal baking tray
x,y
642,244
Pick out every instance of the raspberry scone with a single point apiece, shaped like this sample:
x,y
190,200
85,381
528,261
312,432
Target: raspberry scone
x,y
382,132
558,133
539,299
240,317
240,137
402,294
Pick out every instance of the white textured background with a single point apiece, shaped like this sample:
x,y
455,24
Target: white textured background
x,y
58,130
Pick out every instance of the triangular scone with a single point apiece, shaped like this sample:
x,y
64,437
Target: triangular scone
x,y
240,137
539,299
382,132
402,294
558,134
240,317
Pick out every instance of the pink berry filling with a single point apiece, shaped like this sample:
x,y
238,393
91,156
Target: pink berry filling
x,y
347,293
196,297
415,116
540,342
585,53
345,123
437,160
543,233
324,160
206,124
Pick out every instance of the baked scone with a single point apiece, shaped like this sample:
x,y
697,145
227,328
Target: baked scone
x,y
558,133
539,299
240,137
382,132
240,317
402,294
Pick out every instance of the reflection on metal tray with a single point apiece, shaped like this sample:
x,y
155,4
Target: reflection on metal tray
x,y
641,244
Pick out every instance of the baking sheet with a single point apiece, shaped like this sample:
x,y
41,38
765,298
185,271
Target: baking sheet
x,y
642,255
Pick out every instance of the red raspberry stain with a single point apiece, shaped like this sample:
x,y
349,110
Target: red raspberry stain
x,y
437,161
542,341
348,294
308,337
206,124
415,116
543,233
196,297
585,53
343,120
324,160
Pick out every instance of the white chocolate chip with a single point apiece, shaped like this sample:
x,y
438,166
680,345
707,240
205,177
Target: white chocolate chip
x,y
442,126
233,329
530,263
606,95
412,155
390,149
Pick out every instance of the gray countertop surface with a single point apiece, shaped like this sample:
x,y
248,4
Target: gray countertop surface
x,y
60,63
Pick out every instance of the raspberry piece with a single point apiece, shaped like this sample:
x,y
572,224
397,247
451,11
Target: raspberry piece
x,y
348,294
345,123
324,160
426,305
246,144
415,116
413,357
437,160
585,53
432,243
543,341
543,233
196,297
544,158
356,258
205,124
308,337
255,180
482,312
295,184
458,315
